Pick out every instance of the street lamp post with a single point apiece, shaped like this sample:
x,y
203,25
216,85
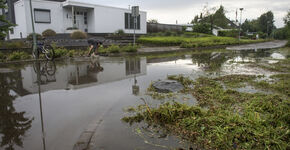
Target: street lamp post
x,y
241,9
33,31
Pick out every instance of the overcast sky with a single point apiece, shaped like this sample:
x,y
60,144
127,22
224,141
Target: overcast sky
x,y
168,11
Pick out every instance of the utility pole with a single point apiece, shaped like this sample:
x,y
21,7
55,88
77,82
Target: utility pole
x,y
135,14
33,32
268,29
241,9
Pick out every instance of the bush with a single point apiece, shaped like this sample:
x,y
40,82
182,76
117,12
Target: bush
x,y
202,28
113,49
130,48
60,52
30,37
48,33
18,56
229,33
2,56
12,45
120,32
288,43
79,35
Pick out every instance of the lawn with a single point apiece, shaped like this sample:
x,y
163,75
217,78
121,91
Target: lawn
x,y
192,42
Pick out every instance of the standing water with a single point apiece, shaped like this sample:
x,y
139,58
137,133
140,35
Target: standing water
x,y
47,105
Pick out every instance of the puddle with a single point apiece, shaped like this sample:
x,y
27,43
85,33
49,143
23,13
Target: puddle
x,y
51,109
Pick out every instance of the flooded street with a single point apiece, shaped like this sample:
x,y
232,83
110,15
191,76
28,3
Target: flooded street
x,y
50,111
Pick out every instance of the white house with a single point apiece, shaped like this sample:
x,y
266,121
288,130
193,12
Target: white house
x,y
64,15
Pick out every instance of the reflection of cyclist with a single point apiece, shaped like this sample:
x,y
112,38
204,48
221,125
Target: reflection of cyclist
x,y
95,66
94,46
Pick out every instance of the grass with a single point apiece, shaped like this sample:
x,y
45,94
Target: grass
x,y
281,66
192,42
223,118
118,49
18,56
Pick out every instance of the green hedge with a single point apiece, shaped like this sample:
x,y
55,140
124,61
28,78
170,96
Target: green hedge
x,y
118,49
192,42
229,33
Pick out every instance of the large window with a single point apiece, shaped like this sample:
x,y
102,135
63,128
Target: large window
x,y
42,16
129,21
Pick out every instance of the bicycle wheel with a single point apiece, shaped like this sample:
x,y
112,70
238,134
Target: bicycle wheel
x,y
48,52
50,68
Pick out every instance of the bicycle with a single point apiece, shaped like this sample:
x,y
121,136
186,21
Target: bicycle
x,y
45,49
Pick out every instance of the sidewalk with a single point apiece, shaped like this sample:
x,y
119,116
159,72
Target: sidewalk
x,y
264,45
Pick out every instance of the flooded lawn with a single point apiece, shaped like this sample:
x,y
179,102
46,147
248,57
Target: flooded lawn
x,y
50,110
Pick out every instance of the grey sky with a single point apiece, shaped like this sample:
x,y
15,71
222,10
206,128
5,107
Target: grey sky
x,y
168,11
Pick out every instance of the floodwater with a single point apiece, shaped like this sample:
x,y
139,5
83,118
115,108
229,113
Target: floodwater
x,y
47,105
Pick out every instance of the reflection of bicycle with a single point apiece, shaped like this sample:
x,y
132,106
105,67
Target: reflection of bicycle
x,y
46,71
45,49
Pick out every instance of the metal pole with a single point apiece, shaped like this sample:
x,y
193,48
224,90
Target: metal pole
x,y
134,30
33,31
240,24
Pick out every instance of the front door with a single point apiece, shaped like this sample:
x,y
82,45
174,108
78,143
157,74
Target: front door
x,y
81,21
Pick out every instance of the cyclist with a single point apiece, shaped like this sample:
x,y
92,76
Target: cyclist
x,y
94,46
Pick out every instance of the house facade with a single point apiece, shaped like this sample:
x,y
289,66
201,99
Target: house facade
x,y
65,16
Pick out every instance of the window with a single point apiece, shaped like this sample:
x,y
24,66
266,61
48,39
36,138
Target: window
x,y
11,31
129,21
42,16
85,18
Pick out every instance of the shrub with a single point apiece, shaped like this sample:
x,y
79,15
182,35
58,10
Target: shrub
x,y
120,32
2,56
229,33
48,33
79,35
288,43
60,52
113,49
13,45
30,37
72,28
202,28
130,48
18,56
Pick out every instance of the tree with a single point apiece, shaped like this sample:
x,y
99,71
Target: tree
x,y
202,28
266,22
287,19
5,25
220,18
153,21
250,26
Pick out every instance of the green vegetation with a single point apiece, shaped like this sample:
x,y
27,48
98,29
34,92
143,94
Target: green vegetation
x,y
12,45
192,42
281,66
48,33
30,36
120,32
229,33
5,24
223,118
18,56
118,49
78,35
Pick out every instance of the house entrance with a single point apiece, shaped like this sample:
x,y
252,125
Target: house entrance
x,y
81,20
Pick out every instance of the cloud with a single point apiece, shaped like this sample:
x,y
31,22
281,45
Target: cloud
x,y
168,11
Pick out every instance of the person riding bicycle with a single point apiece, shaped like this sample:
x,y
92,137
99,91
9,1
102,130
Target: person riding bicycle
x,y
94,46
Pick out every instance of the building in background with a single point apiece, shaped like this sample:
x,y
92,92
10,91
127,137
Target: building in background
x,y
66,16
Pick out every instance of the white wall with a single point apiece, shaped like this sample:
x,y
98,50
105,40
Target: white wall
x,y
101,19
56,13
20,17
109,20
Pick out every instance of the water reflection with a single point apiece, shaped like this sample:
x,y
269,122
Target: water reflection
x,y
48,69
13,124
